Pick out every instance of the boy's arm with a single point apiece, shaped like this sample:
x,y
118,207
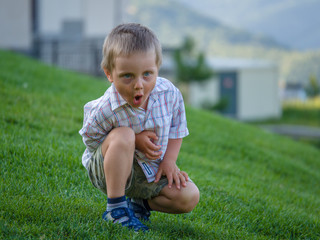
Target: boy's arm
x,y
168,166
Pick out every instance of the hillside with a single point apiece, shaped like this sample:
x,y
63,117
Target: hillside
x,y
172,20
293,23
254,185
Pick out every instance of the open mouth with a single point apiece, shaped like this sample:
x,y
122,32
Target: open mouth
x,y
137,99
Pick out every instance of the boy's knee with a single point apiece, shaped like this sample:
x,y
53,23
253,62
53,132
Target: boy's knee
x,y
122,137
124,134
186,201
191,199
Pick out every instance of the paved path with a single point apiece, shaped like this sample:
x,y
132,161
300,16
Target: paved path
x,y
294,131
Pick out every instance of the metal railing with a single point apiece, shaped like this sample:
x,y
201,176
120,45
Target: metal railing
x,y
82,56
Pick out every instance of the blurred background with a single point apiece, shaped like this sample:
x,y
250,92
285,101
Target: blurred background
x,y
255,60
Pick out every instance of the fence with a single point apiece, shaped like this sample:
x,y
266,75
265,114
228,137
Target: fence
x,y
82,56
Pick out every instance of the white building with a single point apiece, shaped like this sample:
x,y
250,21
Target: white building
x,y
91,18
249,89
22,19
16,24
67,33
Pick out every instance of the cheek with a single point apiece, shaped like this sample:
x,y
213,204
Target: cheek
x,y
123,90
151,85
127,91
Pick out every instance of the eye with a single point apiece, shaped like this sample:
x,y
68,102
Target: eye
x,y
147,74
127,75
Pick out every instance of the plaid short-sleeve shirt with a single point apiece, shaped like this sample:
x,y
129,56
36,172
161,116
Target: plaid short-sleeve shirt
x,y
165,115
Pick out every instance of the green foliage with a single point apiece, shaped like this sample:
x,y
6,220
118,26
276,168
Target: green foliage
x,y
191,66
313,89
220,106
253,184
306,117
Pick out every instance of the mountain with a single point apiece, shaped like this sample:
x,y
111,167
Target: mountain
x,y
172,21
293,23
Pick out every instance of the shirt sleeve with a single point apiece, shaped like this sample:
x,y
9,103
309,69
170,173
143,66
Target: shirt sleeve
x,y
97,124
179,122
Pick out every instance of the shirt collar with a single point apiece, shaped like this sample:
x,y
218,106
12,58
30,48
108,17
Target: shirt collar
x,y
116,99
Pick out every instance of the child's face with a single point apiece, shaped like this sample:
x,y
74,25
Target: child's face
x,y
134,77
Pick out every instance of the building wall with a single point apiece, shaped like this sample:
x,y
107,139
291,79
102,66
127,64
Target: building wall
x,y
204,92
52,14
97,16
16,24
71,33
258,95
101,16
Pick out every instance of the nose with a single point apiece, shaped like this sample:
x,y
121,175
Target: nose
x,y
139,84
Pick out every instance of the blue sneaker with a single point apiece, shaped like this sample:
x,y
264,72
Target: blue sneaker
x,y
129,220
140,211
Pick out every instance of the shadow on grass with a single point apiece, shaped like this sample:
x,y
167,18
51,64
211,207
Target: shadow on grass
x,y
179,227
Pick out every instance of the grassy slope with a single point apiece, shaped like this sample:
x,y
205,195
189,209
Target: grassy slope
x,y
254,185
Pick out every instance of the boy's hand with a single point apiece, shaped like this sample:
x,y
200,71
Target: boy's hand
x,y
173,173
145,143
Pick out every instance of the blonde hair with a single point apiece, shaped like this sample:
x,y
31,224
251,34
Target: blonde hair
x,y
126,39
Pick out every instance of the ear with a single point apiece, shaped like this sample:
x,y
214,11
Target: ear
x,y
108,74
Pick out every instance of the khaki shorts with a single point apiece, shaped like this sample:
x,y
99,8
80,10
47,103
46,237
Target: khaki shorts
x,y
137,185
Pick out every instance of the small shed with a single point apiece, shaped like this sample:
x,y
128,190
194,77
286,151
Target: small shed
x,y
249,88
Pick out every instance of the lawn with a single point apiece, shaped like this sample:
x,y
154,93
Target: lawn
x,y
295,114
254,184
299,113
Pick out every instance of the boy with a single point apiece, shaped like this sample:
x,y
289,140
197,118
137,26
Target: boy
x,y
133,133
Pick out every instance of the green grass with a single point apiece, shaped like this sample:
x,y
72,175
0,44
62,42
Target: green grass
x,y
297,116
254,185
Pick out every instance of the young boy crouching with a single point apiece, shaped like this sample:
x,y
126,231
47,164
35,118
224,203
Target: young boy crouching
x,y
133,133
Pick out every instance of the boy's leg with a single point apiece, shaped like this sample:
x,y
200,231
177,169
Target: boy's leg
x,y
174,200
118,150
160,196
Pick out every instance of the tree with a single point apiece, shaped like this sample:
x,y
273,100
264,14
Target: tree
x,y
191,66
313,89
